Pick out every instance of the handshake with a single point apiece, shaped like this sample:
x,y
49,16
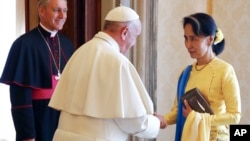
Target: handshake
x,y
163,122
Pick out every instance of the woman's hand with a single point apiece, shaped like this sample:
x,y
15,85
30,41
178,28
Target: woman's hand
x,y
163,122
186,109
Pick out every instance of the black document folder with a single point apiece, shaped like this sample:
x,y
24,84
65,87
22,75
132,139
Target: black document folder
x,y
196,101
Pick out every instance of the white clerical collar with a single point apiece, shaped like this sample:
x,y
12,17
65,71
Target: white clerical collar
x,y
52,33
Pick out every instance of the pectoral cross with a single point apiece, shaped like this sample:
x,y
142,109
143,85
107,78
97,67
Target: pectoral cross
x,y
58,76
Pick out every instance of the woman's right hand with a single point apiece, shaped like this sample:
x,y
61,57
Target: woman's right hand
x,y
163,122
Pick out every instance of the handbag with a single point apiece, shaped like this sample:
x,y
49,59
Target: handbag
x,y
197,101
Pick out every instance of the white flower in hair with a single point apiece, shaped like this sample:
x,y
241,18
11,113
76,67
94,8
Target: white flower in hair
x,y
219,36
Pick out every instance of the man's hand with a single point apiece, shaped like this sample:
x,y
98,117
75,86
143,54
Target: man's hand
x,y
29,140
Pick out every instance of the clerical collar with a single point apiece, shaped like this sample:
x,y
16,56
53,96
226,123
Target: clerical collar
x,y
52,33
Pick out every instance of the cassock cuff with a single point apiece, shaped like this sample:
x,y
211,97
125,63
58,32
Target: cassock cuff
x,y
24,123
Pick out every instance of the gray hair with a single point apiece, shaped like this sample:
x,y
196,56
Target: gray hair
x,y
42,2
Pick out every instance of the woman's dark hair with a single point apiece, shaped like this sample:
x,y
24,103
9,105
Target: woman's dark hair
x,y
204,25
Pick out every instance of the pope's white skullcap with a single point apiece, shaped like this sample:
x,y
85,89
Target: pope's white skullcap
x,y
122,14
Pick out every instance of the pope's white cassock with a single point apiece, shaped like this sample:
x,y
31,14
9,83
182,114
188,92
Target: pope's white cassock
x,y
101,96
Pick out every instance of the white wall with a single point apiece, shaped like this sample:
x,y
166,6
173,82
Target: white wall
x,y
10,28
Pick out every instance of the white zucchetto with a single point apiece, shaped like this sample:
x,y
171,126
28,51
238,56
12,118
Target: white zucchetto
x,y
122,14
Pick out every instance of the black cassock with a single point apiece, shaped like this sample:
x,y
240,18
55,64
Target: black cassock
x,y
29,69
